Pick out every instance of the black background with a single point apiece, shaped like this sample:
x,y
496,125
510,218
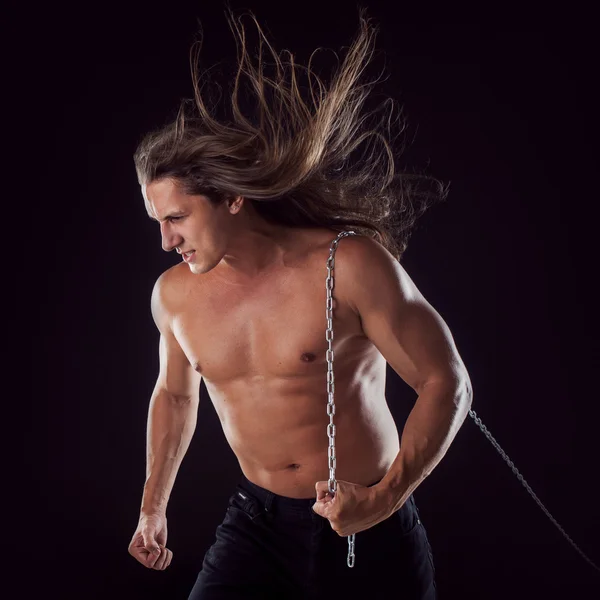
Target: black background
x,y
499,104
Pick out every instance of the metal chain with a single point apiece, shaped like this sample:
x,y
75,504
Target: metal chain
x,y
330,380
510,463
331,411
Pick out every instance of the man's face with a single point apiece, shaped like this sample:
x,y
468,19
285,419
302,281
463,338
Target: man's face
x,y
188,223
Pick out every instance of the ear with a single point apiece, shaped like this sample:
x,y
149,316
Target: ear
x,y
235,204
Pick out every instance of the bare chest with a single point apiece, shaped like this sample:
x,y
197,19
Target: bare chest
x,y
275,332
262,353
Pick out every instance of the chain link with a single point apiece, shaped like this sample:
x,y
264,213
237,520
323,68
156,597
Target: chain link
x,y
514,469
331,381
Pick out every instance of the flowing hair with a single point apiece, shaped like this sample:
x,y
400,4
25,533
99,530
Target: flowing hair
x,y
292,155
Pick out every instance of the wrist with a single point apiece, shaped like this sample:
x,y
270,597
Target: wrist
x,y
152,512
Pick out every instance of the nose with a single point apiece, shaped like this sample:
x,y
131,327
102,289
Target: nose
x,y
169,239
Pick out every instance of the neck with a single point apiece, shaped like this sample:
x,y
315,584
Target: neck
x,y
255,250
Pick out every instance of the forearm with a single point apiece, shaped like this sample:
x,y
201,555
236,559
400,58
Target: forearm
x,y
432,425
171,425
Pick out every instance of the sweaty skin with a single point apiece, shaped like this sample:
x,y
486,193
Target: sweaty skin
x,y
261,350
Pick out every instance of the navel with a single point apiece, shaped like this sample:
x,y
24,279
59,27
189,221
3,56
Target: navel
x,y
308,357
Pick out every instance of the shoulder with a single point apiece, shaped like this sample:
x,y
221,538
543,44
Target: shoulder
x,y
167,283
166,290
358,254
360,244
364,266
354,247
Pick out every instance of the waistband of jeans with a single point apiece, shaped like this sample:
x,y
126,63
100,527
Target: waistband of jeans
x,y
269,499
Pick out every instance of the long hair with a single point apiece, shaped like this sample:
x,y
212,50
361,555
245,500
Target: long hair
x,y
293,158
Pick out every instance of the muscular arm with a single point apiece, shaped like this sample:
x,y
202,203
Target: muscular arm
x,y
418,345
173,409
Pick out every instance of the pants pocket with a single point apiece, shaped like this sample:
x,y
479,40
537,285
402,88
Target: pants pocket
x,y
241,500
408,517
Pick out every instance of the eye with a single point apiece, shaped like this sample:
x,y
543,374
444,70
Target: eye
x,y
171,219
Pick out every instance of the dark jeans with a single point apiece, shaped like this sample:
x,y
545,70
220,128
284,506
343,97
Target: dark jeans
x,y
277,548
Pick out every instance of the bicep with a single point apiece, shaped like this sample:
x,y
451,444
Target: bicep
x,y
406,329
176,375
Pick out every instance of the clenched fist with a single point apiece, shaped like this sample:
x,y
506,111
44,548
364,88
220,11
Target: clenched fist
x,y
148,544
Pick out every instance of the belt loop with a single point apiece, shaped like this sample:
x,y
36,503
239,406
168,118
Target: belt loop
x,y
269,501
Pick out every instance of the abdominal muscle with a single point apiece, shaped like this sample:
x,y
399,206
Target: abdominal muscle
x,y
287,453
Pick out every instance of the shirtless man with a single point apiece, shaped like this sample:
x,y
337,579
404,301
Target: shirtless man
x,y
245,312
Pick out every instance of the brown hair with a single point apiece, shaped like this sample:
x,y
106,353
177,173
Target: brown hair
x,y
292,157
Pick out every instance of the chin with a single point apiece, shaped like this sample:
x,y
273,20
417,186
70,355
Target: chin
x,y
198,269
